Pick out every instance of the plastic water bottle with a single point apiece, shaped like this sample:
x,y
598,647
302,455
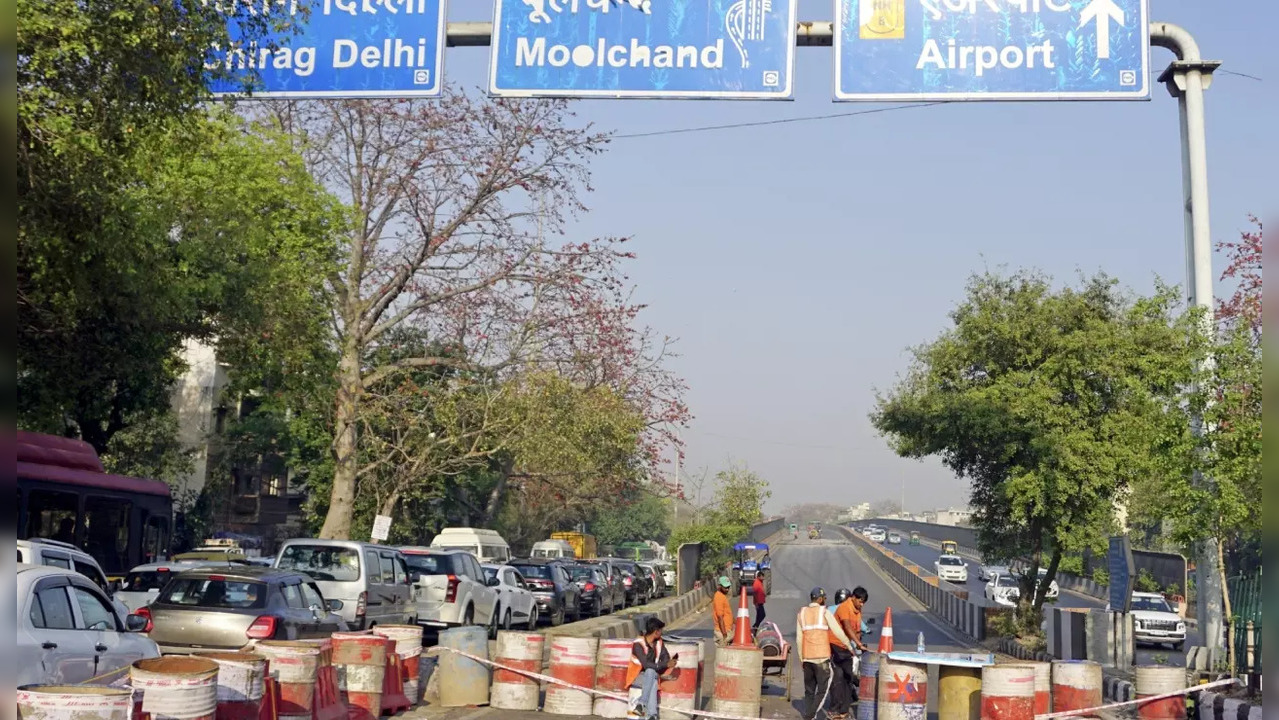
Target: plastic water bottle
x,y
919,644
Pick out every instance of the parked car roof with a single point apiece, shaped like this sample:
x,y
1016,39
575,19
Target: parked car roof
x,y
243,572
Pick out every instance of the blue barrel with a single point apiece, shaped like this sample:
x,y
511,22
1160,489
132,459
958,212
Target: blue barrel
x,y
463,681
868,686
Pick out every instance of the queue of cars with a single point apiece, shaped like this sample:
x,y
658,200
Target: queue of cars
x,y
73,624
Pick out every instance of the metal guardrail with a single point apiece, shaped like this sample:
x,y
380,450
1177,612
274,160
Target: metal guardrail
x,y
944,600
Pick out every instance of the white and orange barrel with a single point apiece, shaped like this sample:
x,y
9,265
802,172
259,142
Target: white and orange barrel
x,y
902,691
74,702
1043,687
464,682
294,666
678,691
1076,685
241,683
360,658
1007,692
176,687
739,677
408,652
610,675
522,653
1153,680
572,662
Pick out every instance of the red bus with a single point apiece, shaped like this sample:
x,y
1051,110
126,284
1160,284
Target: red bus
x,y
64,494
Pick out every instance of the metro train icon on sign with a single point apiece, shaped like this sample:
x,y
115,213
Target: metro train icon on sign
x,y
991,50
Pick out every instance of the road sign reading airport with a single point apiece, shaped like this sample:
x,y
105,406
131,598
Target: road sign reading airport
x,y
343,49
726,49
991,50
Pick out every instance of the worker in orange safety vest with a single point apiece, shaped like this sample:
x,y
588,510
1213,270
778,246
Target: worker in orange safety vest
x,y
649,662
817,629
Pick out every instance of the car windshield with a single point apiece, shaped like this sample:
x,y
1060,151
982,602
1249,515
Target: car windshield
x,y
950,561
322,562
420,565
1155,604
535,571
1005,581
490,573
214,592
146,580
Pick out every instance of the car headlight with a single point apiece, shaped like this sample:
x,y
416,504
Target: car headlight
x,y
1181,627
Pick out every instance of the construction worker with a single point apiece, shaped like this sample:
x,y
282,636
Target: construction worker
x,y
849,618
760,595
649,663
817,630
722,613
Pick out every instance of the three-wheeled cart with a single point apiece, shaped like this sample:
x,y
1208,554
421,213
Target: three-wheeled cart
x,y
777,654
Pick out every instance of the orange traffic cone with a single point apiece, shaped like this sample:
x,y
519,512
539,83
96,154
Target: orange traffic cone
x,y
886,633
742,627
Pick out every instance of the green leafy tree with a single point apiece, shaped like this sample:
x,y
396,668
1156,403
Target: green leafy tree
x,y
111,274
740,495
1213,488
1051,402
636,514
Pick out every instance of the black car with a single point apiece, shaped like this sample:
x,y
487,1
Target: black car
x,y
558,597
639,589
600,592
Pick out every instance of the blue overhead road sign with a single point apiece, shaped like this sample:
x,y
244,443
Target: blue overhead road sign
x,y
991,50
344,49
643,48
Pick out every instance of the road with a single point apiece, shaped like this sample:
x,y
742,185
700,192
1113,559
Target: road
x,y
924,556
830,562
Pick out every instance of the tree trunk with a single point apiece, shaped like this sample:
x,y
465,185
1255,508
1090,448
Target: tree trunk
x,y
1041,592
388,505
337,523
1227,612
499,491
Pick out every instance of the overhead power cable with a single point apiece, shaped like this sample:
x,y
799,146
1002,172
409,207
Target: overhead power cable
x,y
779,121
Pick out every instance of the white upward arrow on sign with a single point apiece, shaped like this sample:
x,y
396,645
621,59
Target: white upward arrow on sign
x,y
1103,11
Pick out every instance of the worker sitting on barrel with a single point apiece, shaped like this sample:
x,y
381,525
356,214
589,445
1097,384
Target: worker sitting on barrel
x,y
649,662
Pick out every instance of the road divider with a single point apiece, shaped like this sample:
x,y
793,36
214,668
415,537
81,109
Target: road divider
x,y
946,601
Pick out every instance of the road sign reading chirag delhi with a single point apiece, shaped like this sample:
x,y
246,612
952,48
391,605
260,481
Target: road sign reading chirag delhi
x,y
893,50
342,49
722,49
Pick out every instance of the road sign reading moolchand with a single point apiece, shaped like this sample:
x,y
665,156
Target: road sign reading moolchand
x,y
890,50
341,48
726,49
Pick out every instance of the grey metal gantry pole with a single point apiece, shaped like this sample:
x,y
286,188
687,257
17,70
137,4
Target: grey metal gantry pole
x,y
1186,79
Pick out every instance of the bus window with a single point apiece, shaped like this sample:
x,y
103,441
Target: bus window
x,y
106,531
155,539
52,515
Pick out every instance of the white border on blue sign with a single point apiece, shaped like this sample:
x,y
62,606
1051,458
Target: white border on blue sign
x,y
785,94
436,89
1140,93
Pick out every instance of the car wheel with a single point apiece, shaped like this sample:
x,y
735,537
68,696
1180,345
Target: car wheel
x,y
493,623
506,620
559,618
532,619
468,618
597,609
1178,647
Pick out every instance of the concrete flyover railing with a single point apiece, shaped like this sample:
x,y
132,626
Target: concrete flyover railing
x,y
947,602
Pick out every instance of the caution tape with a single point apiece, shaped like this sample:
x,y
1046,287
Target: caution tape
x,y
1139,701
591,691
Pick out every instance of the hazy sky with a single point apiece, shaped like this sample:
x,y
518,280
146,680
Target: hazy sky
x,y
797,262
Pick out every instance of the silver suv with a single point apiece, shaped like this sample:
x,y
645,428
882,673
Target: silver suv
x,y
54,553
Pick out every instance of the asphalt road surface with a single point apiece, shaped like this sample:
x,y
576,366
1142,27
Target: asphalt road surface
x,y
925,556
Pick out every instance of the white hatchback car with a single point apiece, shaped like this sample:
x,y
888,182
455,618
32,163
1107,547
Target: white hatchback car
x,y
951,568
68,630
515,602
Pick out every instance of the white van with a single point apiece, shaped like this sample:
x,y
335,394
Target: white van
x,y
487,545
553,549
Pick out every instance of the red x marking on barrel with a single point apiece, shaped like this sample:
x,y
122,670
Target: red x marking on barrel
x,y
905,691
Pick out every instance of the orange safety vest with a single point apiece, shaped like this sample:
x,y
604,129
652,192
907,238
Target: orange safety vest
x,y
813,633
633,669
